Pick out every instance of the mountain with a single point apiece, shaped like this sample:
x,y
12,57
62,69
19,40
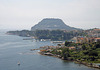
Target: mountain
x,y
52,24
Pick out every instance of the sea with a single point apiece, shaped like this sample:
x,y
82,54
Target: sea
x,y
14,49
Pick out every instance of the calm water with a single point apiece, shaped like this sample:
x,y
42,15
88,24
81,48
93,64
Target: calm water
x,y
14,49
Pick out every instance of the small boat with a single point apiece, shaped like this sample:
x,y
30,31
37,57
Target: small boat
x,y
18,63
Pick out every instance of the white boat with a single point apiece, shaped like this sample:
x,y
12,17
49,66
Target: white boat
x,y
18,63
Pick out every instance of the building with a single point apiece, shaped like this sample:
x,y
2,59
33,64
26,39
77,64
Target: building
x,y
72,48
97,39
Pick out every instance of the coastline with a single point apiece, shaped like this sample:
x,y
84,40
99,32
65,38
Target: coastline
x,y
92,65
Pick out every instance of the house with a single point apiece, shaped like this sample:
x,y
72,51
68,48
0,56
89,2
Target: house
x,y
97,39
92,39
72,48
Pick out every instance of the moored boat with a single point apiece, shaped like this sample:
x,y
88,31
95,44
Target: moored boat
x,y
18,63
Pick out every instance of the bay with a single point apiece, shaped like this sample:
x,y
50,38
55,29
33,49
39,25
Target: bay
x,y
14,48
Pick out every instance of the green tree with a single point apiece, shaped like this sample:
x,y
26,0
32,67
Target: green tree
x,y
93,53
65,53
84,47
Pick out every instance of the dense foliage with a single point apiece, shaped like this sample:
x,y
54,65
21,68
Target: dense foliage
x,y
89,52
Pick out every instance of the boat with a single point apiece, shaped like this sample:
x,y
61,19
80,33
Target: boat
x,y
18,63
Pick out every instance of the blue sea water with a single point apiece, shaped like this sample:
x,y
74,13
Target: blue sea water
x,y
14,49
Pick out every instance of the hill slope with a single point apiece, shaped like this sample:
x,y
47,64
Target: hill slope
x,y
52,24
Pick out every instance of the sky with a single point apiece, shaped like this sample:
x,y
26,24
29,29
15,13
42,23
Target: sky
x,y
23,14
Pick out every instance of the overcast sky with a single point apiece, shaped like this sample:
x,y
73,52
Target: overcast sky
x,y
23,14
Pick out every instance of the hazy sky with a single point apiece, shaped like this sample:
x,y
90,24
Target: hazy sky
x,y
23,14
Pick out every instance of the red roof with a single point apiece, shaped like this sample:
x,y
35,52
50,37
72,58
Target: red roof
x,y
97,38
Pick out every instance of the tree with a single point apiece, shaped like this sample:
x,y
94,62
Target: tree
x,y
97,45
93,53
65,53
84,47
67,43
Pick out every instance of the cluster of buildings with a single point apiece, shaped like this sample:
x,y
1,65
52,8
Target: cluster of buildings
x,y
85,39
93,35
93,32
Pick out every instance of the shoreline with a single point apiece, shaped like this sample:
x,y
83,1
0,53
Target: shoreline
x,y
92,65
